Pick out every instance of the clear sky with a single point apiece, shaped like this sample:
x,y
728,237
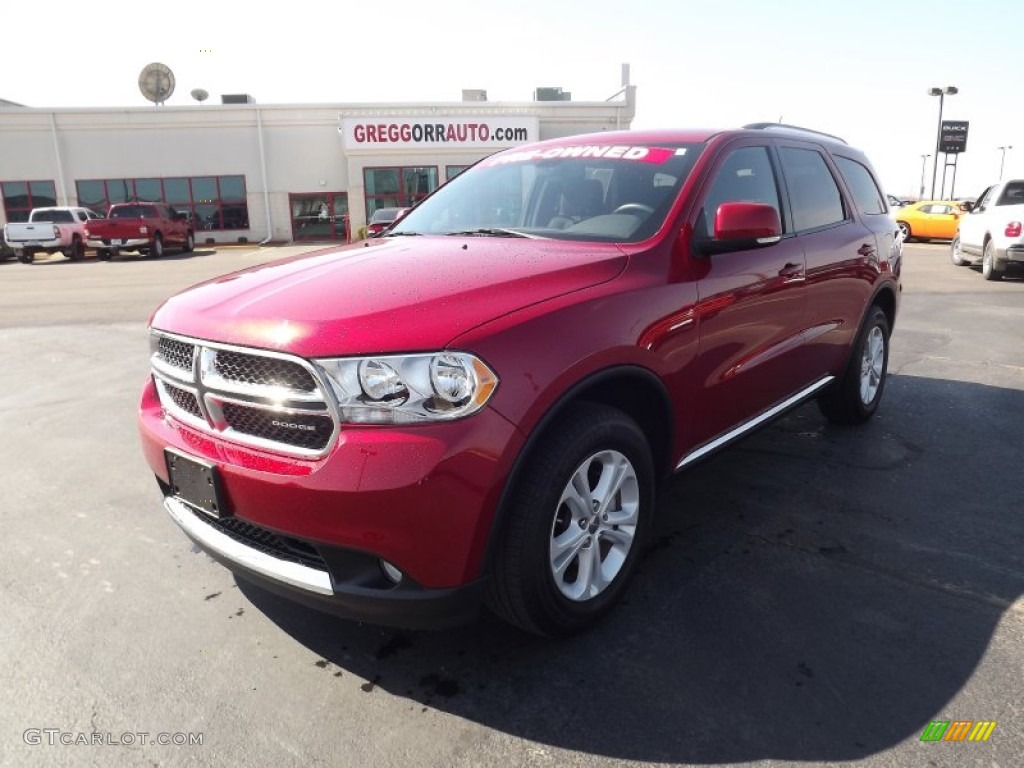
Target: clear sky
x,y
858,69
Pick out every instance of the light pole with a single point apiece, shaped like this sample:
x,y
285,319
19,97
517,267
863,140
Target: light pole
x,y
942,93
924,162
1003,158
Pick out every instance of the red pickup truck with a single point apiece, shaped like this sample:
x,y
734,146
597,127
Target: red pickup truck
x,y
147,228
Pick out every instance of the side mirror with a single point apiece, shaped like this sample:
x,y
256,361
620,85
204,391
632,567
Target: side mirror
x,y
743,226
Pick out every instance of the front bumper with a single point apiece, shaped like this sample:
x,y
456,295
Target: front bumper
x,y
363,596
422,498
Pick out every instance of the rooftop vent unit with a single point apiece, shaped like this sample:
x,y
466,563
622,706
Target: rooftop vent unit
x,y
551,94
237,98
474,94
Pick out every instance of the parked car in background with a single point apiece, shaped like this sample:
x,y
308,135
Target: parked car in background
x,y
929,219
991,234
484,406
59,229
383,218
147,228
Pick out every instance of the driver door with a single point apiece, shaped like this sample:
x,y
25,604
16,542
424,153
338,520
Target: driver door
x,y
752,306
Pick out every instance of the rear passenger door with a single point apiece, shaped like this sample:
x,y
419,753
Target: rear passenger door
x,y
751,307
842,253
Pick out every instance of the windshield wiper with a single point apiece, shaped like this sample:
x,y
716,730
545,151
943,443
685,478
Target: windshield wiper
x,y
489,232
401,234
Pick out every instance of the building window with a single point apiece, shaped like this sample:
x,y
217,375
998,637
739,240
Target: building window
x,y
397,187
321,216
212,202
451,171
20,197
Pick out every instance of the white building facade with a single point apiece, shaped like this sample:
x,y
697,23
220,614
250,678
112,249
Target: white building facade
x,y
254,173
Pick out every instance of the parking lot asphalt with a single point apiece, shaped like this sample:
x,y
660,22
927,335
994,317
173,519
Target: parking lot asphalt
x,y
813,595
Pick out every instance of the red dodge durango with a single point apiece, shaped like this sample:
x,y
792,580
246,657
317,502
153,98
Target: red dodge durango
x,y
481,406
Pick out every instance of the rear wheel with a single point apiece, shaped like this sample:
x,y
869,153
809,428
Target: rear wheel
x,y
956,255
575,524
77,252
854,398
990,270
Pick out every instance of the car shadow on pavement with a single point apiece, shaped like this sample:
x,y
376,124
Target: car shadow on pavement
x,y
811,594
92,259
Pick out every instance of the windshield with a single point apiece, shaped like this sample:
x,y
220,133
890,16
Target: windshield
x,y
385,215
607,193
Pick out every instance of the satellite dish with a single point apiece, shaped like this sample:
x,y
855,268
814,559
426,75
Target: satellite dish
x,y
156,81
200,94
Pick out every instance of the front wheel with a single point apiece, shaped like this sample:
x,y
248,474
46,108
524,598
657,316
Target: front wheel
x,y
190,243
854,398
990,269
575,524
26,256
904,230
956,254
156,250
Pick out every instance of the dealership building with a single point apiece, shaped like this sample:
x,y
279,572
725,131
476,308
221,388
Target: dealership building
x,y
249,172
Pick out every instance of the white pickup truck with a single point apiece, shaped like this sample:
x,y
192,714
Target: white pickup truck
x,y
991,234
50,230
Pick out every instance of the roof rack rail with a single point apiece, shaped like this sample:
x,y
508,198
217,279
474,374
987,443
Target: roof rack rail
x,y
766,126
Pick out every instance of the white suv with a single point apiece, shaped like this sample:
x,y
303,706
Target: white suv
x,y
991,233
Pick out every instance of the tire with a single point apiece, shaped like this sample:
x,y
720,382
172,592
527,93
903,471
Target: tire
x,y
905,229
104,254
156,250
956,255
854,398
990,270
557,594
190,243
26,256
77,251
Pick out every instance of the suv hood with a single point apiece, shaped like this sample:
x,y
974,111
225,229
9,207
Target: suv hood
x,y
396,295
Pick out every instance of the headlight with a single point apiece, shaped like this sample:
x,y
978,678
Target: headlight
x,y
406,389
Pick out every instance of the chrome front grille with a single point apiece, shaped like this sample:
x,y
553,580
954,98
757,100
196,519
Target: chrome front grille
x,y
256,397
263,371
184,400
175,354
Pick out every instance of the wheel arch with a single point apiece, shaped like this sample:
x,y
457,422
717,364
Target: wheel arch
x,y
636,391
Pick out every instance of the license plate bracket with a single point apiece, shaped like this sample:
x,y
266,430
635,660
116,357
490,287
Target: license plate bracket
x,y
196,483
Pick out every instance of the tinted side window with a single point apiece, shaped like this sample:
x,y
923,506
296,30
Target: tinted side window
x,y
862,185
1013,194
813,192
745,176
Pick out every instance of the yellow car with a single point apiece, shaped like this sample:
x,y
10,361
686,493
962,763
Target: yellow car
x,y
929,219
